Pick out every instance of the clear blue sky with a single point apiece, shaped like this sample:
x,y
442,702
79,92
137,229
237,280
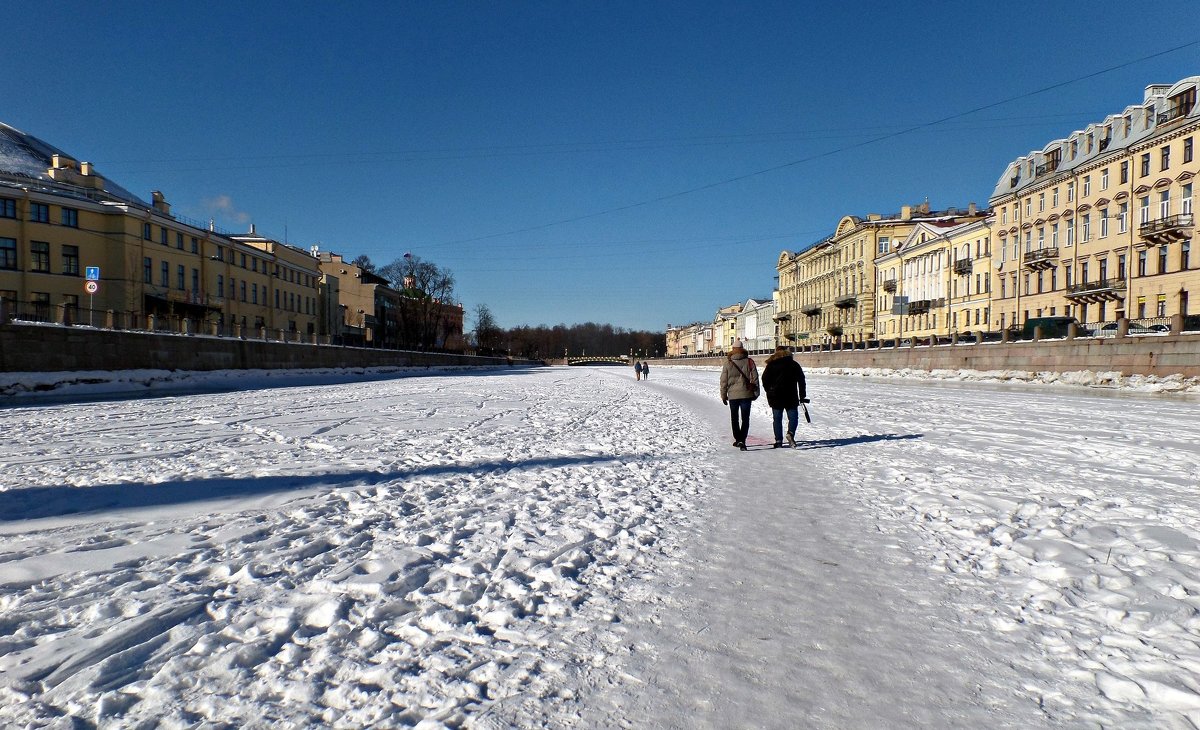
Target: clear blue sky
x,y
466,132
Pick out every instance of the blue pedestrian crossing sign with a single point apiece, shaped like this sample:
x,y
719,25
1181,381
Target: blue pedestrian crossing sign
x,y
92,273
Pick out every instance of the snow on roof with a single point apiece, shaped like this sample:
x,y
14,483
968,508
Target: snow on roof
x,y
25,156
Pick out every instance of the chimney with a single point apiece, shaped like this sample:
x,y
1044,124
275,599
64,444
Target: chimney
x,y
874,217
160,203
905,212
971,209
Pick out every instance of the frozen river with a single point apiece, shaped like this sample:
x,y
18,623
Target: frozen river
x,y
568,547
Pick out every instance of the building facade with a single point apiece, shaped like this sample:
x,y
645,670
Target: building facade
x,y
1098,225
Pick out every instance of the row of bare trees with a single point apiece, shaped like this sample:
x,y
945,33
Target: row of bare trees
x,y
426,299
544,341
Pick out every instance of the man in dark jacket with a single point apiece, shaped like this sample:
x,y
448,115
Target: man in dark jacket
x,y
783,381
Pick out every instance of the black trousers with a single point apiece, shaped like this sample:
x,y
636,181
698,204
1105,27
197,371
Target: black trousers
x,y
739,418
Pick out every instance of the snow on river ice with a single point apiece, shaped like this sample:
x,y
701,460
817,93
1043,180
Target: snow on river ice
x,y
568,547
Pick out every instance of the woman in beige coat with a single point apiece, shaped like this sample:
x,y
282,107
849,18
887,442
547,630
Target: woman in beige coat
x,y
739,388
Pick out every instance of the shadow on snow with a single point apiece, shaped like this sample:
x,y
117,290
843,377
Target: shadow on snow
x,y
57,501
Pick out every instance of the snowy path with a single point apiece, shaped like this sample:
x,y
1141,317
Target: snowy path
x,y
568,547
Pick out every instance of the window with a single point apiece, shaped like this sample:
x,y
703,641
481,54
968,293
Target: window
x,y
1121,266
1123,217
70,260
1141,307
1054,235
1185,250
195,245
1185,202
220,253
1087,228
162,236
147,271
1160,306
1028,207
8,208
1145,164
178,240
1141,264
243,261
220,286
1162,259
70,217
1087,185
1071,192
1164,203
1083,272
165,274
1054,198
1028,241
1041,202
8,253
1003,215
1144,209
39,256
146,234
1104,269
1003,288
1041,237
179,274
1187,150
39,213
1026,284
1053,278
1071,233
195,281
1164,155
254,294
1104,179
243,290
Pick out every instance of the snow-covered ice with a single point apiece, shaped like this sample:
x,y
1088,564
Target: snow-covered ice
x,y
567,547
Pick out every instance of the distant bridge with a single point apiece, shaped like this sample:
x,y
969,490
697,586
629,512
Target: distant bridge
x,y
602,360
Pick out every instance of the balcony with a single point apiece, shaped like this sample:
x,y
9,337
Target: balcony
x,y
846,302
962,266
1104,290
811,311
1168,230
889,285
1178,112
1043,258
921,306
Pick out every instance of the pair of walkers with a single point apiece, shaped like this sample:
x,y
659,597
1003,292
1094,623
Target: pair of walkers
x,y
783,381
642,370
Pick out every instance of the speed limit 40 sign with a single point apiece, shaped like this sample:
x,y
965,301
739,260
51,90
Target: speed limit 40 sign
x,y
91,287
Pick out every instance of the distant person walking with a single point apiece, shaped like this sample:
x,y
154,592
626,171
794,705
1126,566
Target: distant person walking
x,y
637,368
783,381
739,388
645,371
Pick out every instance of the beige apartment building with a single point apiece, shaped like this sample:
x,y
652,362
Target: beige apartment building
x,y
61,220
827,292
1098,225
936,282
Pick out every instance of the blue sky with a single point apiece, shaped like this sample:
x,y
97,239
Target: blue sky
x,y
539,150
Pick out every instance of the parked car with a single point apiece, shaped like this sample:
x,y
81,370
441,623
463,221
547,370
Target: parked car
x,y
1052,327
1110,330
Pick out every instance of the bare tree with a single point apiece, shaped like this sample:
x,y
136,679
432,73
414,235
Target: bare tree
x,y
488,334
426,294
363,262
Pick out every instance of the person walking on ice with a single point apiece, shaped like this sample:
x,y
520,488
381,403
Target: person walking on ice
x,y
645,371
739,388
783,380
637,369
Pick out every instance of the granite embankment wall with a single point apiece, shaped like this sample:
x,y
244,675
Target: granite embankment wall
x,y
45,348
1137,355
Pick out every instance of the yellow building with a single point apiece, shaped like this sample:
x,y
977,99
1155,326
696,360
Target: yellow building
x,y
827,292
1098,225
936,282
60,220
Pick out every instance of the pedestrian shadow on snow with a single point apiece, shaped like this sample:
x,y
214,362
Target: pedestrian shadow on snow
x,y
61,500
847,441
